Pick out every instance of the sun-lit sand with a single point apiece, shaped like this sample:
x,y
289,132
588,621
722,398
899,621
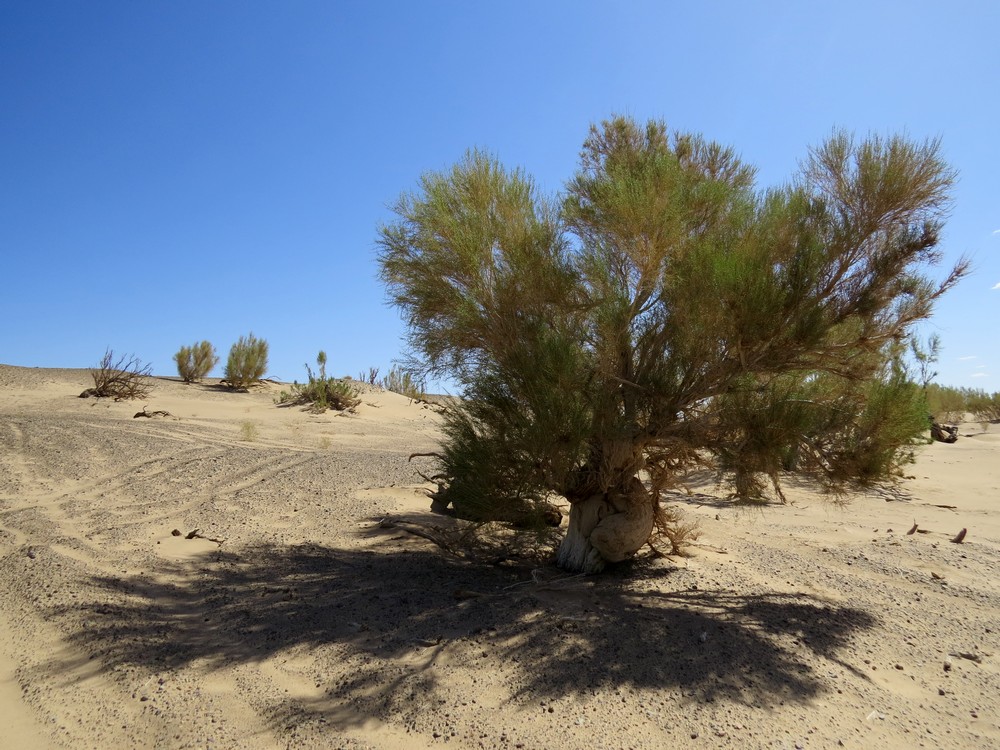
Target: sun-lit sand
x,y
293,619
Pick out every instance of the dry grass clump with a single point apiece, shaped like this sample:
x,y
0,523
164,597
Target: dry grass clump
x,y
248,431
121,378
196,361
670,526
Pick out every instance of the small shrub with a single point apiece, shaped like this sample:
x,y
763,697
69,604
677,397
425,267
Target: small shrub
x,y
195,362
123,378
402,381
371,378
321,392
248,431
247,362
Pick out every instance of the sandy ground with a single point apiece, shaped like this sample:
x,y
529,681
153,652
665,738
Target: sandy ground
x,y
307,624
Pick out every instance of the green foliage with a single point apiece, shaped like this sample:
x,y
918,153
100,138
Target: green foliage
x,y
840,430
247,362
667,310
321,392
401,381
196,361
946,404
985,407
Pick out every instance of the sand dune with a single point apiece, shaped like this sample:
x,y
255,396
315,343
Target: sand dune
x,y
292,618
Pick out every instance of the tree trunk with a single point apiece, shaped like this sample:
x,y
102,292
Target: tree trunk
x,y
606,528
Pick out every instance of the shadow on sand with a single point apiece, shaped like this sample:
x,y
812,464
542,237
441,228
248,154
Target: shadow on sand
x,y
550,634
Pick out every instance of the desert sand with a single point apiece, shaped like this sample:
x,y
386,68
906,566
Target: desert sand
x,y
298,617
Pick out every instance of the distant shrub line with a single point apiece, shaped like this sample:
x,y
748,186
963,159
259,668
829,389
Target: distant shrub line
x,y
948,404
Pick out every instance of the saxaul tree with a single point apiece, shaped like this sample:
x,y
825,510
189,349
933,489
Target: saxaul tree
x,y
666,312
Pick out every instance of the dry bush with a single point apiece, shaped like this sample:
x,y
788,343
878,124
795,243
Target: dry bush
x,y
247,362
196,361
123,378
669,525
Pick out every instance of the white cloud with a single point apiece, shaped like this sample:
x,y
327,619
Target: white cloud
x,y
996,286
996,231
980,367
980,375
966,359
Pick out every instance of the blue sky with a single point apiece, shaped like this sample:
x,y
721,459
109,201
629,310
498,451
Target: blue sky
x,y
178,171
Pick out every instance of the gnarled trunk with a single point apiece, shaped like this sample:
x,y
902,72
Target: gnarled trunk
x,y
606,528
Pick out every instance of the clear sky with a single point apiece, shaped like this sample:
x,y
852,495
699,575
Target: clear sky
x,y
187,170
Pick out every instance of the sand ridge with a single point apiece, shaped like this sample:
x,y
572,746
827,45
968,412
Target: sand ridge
x,y
310,624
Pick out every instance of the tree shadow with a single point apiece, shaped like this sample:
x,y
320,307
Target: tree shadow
x,y
549,633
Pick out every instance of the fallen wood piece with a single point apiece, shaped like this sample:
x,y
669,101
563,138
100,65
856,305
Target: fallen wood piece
x,y
949,507
913,530
720,550
391,523
432,454
944,433
197,535
151,414
960,537
967,655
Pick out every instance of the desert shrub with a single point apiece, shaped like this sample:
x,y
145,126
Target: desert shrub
x,y
371,377
247,362
321,392
402,381
121,378
662,310
196,361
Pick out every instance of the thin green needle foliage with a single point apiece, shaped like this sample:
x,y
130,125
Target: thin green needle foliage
x,y
666,312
